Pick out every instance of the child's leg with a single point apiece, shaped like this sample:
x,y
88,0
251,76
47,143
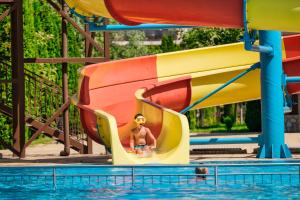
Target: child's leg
x,y
147,148
139,151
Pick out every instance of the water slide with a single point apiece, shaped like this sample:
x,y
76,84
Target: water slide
x,y
159,86
261,14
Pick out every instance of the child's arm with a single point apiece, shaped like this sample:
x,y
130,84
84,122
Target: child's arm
x,y
152,137
131,141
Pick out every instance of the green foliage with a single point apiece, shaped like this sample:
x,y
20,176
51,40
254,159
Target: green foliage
x,y
5,129
42,139
42,38
221,128
229,110
228,121
5,122
209,117
253,116
134,47
152,49
4,36
167,44
191,115
203,37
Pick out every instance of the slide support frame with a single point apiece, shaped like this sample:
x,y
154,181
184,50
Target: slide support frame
x,y
272,139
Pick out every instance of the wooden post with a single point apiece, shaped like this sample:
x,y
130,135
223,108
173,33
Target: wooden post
x,y
18,85
64,52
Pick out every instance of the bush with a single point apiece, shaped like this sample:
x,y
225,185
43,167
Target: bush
x,y
228,121
229,110
253,116
191,115
168,45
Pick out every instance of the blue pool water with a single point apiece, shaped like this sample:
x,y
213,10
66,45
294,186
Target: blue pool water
x,y
242,180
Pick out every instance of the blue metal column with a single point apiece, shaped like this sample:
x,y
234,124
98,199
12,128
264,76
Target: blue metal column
x,y
272,140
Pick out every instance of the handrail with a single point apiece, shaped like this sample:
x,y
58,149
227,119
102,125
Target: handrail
x,y
132,177
43,103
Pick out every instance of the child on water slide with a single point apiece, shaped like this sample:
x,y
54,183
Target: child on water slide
x,y
138,142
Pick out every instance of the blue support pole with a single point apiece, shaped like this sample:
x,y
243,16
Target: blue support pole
x,y
272,140
120,27
241,140
292,79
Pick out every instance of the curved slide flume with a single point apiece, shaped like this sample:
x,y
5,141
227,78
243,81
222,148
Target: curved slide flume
x,y
159,86
261,14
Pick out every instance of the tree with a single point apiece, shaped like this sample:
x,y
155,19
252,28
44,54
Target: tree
x,y
191,116
203,37
228,121
134,48
229,116
253,116
167,44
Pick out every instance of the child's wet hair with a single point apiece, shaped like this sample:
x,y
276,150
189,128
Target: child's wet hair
x,y
138,115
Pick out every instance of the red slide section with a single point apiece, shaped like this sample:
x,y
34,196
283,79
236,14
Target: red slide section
x,y
291,64
217,13
112,86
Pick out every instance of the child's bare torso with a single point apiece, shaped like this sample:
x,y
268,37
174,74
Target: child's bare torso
x,y
140,136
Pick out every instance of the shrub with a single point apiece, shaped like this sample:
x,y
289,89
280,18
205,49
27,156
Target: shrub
x,y
253,116
228,121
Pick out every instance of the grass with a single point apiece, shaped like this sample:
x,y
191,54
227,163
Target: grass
x,y
221,128
42,140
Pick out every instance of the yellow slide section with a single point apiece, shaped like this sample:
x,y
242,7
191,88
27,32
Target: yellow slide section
x,y
172,143
210,68
89,8
282,15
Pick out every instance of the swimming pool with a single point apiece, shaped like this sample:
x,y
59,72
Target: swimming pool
x,y
225,180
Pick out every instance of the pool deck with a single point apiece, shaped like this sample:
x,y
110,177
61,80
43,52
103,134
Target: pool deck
x,y
48,154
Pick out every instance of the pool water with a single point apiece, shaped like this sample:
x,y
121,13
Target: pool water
x,y
242,180
209,192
